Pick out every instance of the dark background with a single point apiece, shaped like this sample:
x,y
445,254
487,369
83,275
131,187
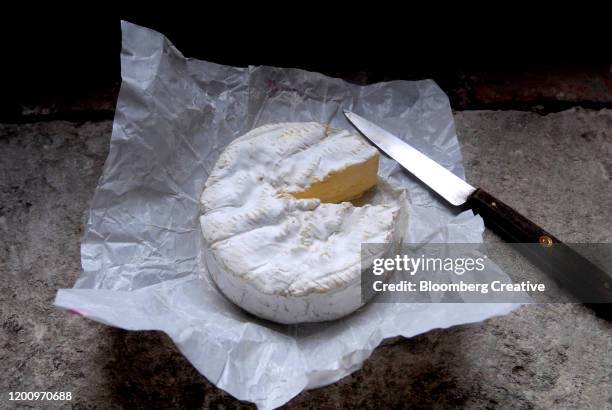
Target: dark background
x,y
57,59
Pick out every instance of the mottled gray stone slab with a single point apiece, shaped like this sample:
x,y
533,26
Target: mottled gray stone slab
x,y
554,168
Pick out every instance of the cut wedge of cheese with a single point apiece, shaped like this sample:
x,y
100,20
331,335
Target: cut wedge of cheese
x,y
283,242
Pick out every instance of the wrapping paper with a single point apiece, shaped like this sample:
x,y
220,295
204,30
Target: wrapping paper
x,y
142,251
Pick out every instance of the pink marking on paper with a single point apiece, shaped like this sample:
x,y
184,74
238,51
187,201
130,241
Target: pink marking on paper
x,y
75,312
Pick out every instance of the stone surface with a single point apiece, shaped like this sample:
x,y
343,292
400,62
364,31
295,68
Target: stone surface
x,y
555,168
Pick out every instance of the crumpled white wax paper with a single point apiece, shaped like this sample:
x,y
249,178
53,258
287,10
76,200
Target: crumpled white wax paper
x,y
141,254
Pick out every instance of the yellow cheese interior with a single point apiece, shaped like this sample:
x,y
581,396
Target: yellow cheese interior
x,y
345,185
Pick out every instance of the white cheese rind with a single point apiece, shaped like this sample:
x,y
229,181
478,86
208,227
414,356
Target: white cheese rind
x,y
286,259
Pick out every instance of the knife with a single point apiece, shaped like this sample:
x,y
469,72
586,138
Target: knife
x,y
571,270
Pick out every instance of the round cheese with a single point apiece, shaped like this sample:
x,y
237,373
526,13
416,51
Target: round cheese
x,y
283,240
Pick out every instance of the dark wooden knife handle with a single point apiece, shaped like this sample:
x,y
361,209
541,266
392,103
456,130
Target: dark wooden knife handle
x,y
571,270
507,222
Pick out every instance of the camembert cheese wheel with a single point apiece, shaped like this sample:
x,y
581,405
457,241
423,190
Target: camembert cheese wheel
x,y
284,240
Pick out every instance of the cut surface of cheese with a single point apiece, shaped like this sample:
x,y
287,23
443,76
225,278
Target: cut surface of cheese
x,y
345,185
282,241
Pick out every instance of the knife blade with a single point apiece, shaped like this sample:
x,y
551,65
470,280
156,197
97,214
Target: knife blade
x,y
448,185
570,269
